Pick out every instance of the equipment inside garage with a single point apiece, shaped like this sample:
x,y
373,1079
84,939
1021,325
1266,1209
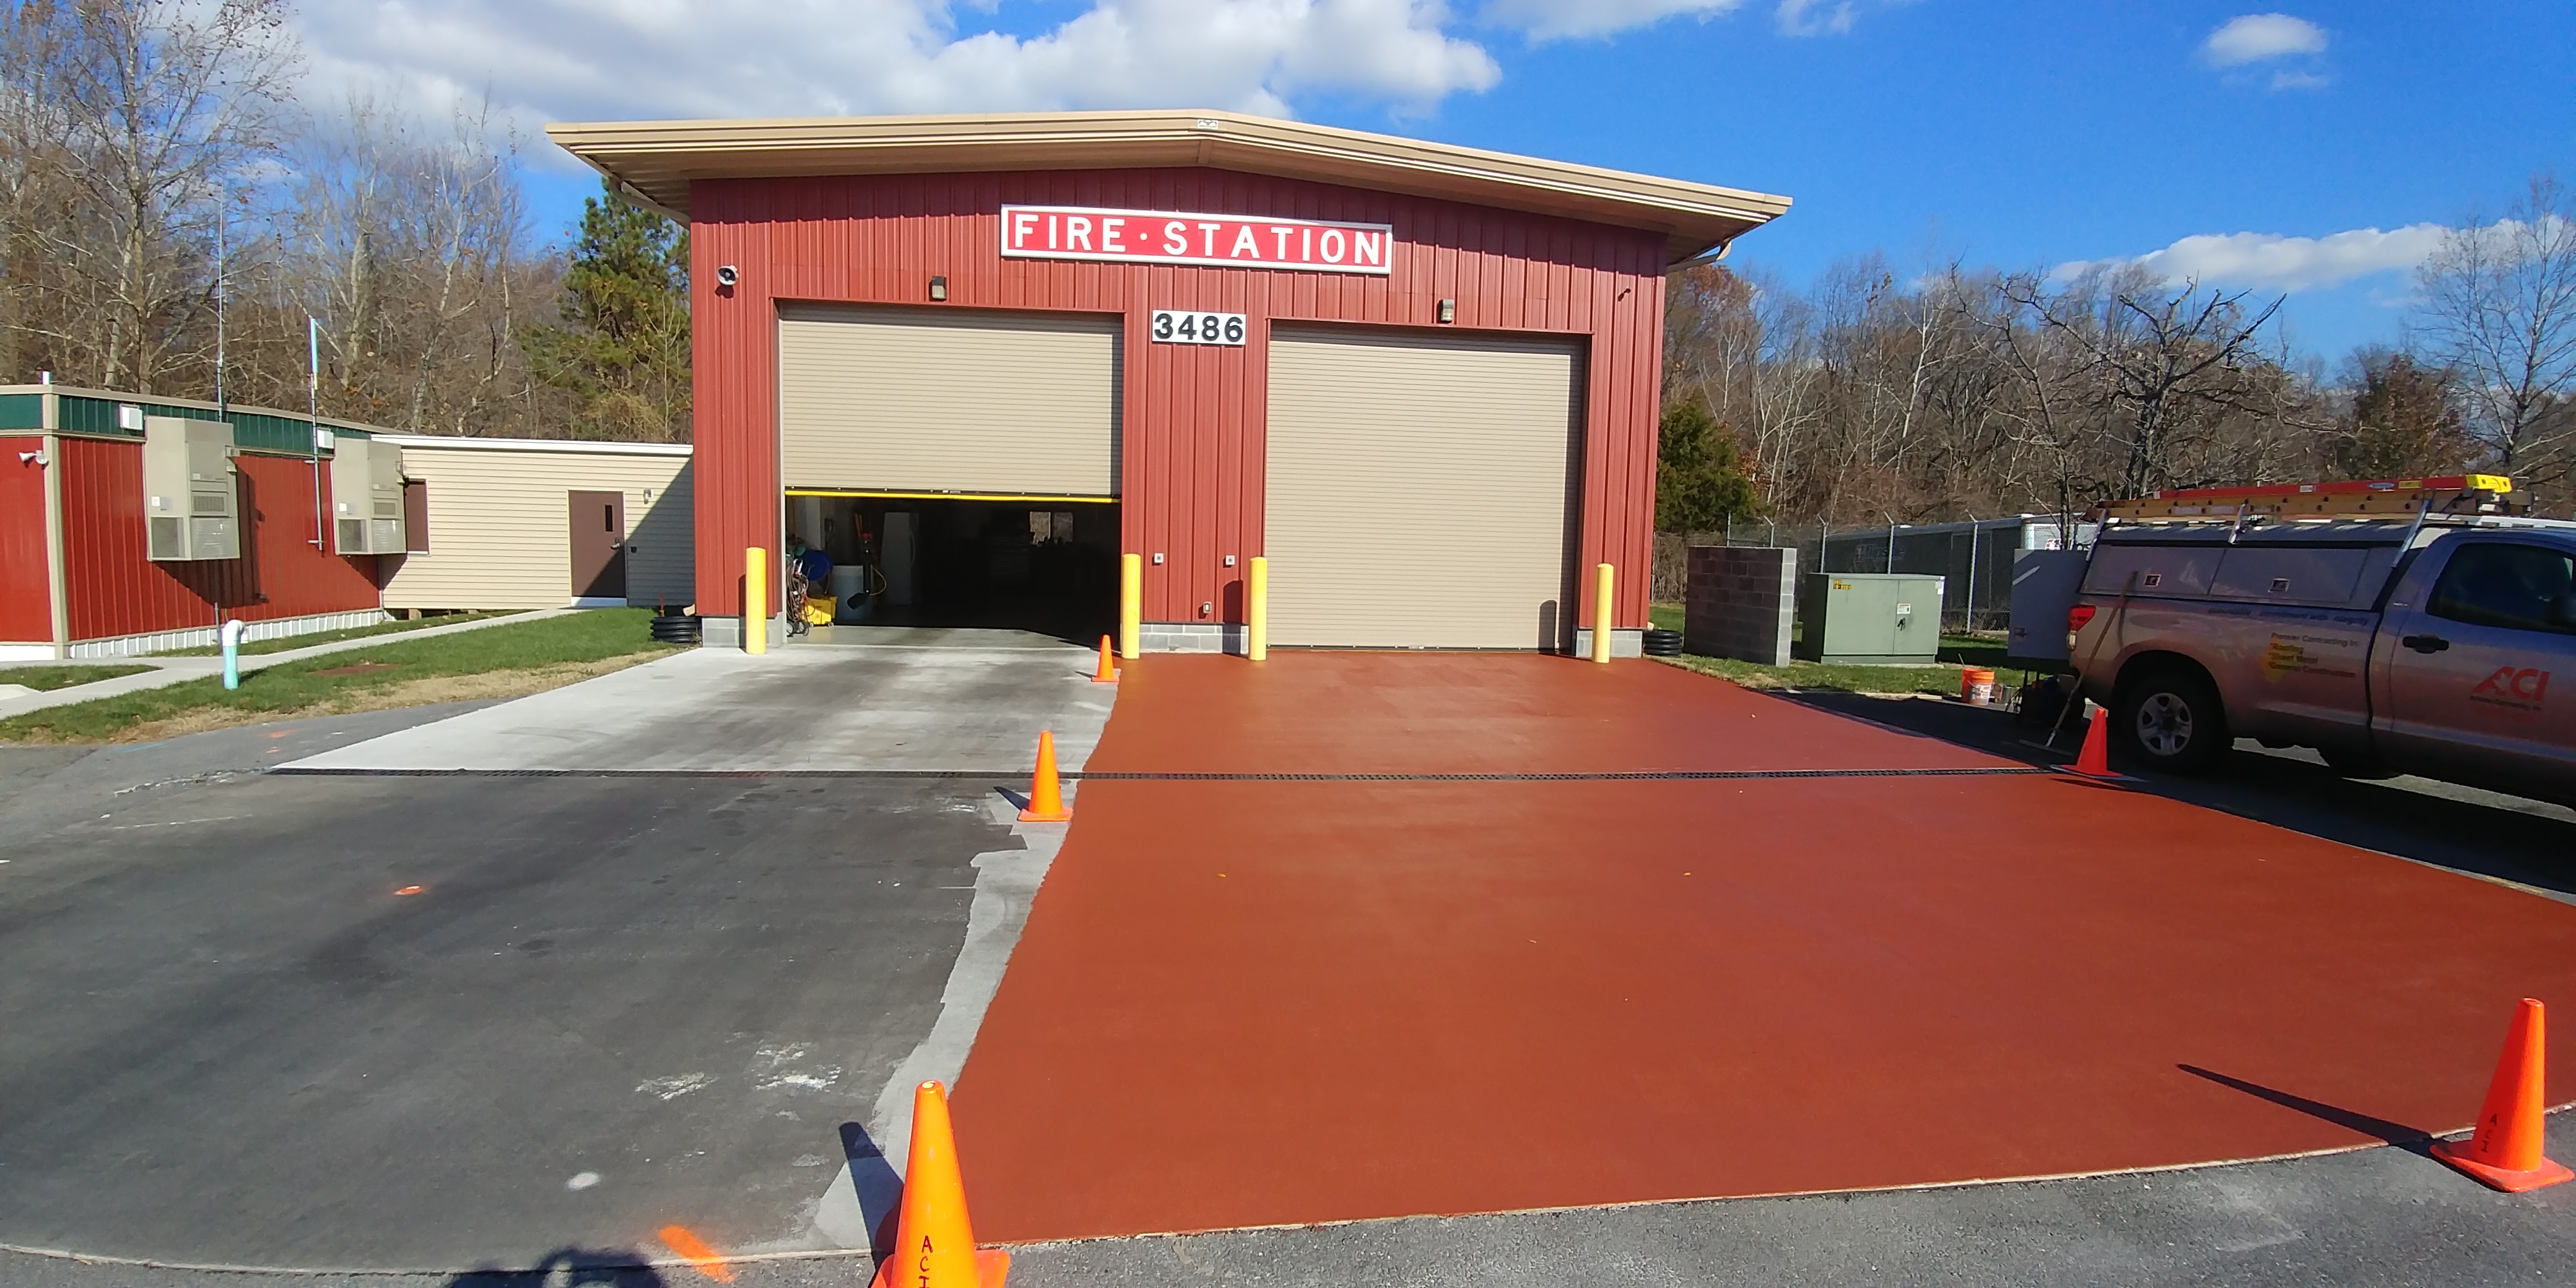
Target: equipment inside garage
x,y
1420,383
1049,567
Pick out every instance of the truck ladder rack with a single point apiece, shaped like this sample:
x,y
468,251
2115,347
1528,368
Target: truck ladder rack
x,y
2458,494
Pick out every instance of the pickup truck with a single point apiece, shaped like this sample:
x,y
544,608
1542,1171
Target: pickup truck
x,y
2389,646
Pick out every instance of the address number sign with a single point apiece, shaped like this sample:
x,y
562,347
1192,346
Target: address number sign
x,y
1171,327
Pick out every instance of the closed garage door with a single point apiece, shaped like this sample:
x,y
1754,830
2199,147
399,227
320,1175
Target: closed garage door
x,y
939,401
1418,489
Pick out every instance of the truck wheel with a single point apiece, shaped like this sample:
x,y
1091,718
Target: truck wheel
x,y
2169,719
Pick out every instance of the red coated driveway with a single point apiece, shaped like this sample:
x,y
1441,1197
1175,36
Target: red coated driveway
x,y
1414,952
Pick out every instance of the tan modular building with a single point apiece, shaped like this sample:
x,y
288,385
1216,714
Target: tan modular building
x,y
544,523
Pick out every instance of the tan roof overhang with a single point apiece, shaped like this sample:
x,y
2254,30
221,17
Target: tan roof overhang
x,y
654,162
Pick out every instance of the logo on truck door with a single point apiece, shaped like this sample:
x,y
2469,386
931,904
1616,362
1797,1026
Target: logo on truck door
x,y
2521,688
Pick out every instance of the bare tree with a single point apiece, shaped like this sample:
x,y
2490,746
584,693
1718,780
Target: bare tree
x,y
2499,310
36,38
168,104
2167,353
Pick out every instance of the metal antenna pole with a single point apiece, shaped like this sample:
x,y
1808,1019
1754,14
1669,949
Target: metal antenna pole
x,y
221,407
313,415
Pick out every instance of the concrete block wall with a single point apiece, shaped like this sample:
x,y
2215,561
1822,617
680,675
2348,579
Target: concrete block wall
x,y
1189,637
1739,602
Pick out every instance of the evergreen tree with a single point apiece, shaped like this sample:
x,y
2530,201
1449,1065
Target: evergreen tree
x,y
2404,423
1700,477
623,345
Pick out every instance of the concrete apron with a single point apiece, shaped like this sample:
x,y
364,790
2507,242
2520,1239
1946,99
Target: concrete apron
x,y
884,709
804,710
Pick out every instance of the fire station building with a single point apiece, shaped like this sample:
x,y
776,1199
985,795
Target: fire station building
x,y
974,359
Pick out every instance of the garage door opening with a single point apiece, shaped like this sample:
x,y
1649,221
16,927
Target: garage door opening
x,y
1047,566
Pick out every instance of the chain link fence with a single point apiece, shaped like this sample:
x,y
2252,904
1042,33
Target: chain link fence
x,y
1975,559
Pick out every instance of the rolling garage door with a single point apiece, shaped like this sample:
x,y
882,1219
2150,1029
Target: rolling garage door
x,y
940,401
1418,489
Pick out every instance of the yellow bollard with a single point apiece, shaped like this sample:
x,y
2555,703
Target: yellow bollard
x,y
755,599
1256,609
1601,612
1131,604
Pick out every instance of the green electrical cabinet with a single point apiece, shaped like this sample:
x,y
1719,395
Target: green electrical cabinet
x,y
1868,617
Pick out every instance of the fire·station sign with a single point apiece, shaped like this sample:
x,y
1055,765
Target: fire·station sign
x,y
1172,237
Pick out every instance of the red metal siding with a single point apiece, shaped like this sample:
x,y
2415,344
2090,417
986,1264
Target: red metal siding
x,y
1194,416
26,608
116,591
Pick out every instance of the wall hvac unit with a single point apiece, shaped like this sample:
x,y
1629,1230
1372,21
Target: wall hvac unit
x,y
1868,617
191,499
367,497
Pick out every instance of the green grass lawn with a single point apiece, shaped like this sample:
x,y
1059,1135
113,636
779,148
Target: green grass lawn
x,y
63,677
1985,648
499,661
326,637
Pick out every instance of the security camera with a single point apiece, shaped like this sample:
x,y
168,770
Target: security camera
x,y
33,458
726,276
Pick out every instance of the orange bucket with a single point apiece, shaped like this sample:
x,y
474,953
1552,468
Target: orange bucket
x,y
1977,686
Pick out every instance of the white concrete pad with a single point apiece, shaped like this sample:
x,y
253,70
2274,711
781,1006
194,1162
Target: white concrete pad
x,y
844,710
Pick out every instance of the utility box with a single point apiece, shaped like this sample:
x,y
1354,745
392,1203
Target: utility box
x,y
367,497
1869,617
191,500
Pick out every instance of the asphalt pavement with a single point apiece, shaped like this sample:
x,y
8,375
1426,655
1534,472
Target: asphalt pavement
x,y
391,1024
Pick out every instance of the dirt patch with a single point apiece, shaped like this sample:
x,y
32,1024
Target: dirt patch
x,y
409,693
360,669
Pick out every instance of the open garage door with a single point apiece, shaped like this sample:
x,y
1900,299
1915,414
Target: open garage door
x,y
1418,489
922,400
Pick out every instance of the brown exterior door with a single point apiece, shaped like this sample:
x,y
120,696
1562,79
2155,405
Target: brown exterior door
x,y
598,545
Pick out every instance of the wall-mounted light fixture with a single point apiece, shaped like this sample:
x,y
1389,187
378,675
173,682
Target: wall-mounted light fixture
x,y
1448,312
939,288
727,275
33,458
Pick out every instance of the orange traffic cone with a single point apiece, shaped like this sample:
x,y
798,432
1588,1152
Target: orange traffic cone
x,y
1108,672
2504,1151
1046,799
2094,761
934,1244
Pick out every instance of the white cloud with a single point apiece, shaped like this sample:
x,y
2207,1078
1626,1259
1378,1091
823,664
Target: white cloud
x,y
2300,80
2256,37
544,60
1814,17
2270,261
1557,19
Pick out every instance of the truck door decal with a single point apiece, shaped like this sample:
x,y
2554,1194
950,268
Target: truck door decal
x,y
2520,688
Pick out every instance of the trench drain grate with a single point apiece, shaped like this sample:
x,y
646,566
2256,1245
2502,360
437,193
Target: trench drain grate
x,y
1632,775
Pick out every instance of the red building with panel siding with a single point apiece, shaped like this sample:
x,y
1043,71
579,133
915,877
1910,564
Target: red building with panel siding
x,y
88,588
1433,437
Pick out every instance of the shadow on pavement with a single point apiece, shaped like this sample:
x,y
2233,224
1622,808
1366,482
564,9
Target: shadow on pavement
x,y
2413,1140
2462,829
880,1190
570,1268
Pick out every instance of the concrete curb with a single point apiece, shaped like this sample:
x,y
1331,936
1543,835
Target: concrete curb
x,y
176,670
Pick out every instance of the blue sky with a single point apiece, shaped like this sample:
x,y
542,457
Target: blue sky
x,y
2020,134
